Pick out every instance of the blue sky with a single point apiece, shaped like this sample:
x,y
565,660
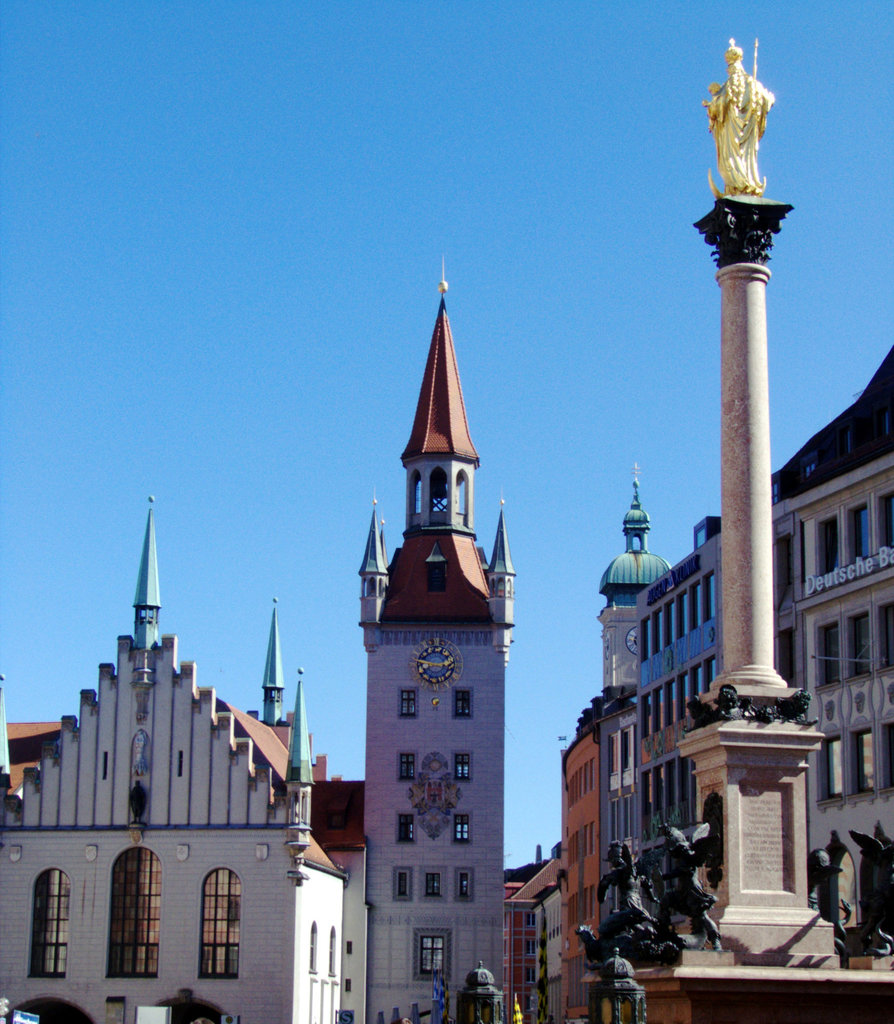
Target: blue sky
x,y
221,235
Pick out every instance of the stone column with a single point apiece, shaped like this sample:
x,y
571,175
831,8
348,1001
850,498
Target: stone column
x,y
753,766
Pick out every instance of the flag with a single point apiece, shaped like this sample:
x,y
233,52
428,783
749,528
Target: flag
x,y
517,1014
445,1001
542,980
437,996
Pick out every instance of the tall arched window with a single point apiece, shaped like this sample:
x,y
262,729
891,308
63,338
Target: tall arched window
x,y
313,946
332,951
437,485
417,493
136,915
462,494
221,910
49,924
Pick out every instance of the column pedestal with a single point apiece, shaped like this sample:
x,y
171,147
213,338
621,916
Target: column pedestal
x,y
758,772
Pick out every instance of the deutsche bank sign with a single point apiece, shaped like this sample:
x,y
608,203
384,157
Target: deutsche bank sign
x,y
843,573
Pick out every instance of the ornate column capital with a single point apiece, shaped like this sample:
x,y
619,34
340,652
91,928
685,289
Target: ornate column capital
x,y
741,229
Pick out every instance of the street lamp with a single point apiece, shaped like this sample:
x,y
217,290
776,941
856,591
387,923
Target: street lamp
x,y
619,999
480,1002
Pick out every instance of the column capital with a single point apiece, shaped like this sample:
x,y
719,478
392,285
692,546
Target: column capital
x,y
741,229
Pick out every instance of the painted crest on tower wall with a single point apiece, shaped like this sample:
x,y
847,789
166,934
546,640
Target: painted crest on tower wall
x,y
434,794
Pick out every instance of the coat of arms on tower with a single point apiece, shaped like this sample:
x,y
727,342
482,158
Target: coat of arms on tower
x,y
434,794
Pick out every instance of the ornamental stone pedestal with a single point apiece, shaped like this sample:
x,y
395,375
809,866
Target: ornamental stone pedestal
x,y
753,774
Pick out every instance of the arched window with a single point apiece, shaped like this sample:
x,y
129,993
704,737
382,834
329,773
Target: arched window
x,y
221,910
462,494
49,924
313,947
417,493
332,951
437,485
136,915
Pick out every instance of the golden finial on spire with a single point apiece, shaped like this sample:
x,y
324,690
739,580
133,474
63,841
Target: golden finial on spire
x,y
442,284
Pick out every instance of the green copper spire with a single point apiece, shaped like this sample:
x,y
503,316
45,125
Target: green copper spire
x,y
374,555
147,601
273,677
501,560
300,769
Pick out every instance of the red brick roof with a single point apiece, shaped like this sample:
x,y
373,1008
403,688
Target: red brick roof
x,y
440,426
463,600
545,880
26,740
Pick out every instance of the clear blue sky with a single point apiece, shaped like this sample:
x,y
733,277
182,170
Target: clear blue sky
x,y
222,232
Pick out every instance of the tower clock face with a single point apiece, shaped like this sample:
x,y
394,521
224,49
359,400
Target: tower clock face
x,y
631,640
436,664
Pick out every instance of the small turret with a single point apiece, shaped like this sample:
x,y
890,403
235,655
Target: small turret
x,y
147,602
299,776
373,574
273,677
501,587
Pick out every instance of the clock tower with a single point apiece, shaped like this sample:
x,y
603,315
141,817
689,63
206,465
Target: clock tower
x,y
437,623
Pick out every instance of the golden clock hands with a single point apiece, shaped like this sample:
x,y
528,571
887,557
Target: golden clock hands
x,y
433,664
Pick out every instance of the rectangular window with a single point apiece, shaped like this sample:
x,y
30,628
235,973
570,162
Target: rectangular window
x,y
864,762
407,768
407,703
695,681
529,980
682,622
462,703
670,784
829,541
887,630
882,421
785,659
670,700
432,883
644,648
460,828
710,597
614,753
530,947
347,984
431,953
402,884
656,709
830,654
681,698
530,920
437,577
668,623
464,884
626,748
646,780
658,787
462,766
405,828
888,520
656,629
179,764
832,767
859,533
710,673
695,604
105,764
889,751
645,714
860,661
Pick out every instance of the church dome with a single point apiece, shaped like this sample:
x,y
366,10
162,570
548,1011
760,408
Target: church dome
x,y
637,567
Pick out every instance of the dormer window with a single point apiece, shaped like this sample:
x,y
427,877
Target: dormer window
x,y
436,564
438,491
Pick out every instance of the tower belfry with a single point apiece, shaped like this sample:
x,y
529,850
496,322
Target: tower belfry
x,y
437,624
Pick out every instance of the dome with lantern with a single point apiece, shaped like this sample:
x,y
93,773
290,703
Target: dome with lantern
x,y
636,567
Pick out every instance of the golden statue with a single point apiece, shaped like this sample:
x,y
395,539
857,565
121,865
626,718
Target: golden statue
x,y
737,117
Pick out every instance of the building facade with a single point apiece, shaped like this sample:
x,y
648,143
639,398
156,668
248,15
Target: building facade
x,y
157,844
680,655
531,943
437,624
834,537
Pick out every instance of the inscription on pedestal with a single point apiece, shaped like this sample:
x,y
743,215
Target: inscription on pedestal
x,y
762,838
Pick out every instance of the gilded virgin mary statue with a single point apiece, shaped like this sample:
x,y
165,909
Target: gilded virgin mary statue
x,y
737,117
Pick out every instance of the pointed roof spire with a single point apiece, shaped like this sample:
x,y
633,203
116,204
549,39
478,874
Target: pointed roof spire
x,y
440,425
273,668
300,769
147,600
501,560
374,555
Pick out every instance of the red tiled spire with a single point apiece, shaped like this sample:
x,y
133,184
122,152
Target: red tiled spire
x,y
440,426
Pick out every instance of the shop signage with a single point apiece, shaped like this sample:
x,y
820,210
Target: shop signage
x,y
844,573
674,578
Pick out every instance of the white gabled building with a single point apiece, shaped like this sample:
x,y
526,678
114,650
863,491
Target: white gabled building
x,y
157,851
